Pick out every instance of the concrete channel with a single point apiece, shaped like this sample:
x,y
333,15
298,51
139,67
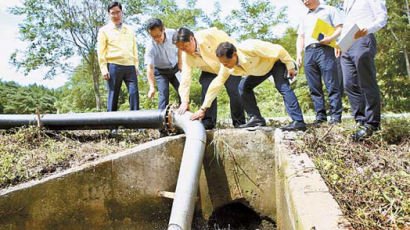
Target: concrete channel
x,y
254,170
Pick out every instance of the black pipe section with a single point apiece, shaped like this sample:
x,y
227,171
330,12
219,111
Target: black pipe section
x,y
150,119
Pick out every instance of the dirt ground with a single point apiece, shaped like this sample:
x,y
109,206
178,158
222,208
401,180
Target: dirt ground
x,y
371,179
31,153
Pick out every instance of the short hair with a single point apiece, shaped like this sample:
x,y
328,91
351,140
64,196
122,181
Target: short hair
x,y
155,23
182,35
114,4
225,49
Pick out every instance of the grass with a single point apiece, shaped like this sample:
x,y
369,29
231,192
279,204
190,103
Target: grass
x,y
371,179
32,153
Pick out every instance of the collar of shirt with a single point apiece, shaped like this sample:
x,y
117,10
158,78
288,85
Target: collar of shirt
x,y
347,6
197,51
319,7
241,59
113,26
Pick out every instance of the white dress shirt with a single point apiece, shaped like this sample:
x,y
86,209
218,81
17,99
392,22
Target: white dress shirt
x,y
367,14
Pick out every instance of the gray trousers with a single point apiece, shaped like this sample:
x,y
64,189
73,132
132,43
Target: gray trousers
x,y
360,84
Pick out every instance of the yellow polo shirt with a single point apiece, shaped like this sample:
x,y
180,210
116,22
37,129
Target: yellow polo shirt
x,y
256,58
207,42
116,46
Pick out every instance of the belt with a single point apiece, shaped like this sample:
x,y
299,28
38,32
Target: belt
x,y
315,45
167,69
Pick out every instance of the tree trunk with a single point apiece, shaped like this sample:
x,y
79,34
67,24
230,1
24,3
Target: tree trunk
x,y
96,84
406,56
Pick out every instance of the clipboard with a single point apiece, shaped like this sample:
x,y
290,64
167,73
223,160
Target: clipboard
x,y
323,29
347,40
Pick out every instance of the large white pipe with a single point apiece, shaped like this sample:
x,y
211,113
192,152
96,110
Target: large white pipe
x,y
187,185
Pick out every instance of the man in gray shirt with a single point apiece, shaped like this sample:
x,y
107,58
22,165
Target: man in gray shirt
x,y
161,58
320,60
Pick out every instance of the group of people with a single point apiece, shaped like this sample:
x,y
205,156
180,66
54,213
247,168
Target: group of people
x,y
241,67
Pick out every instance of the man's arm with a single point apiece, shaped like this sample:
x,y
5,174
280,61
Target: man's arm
x,y
300,43
269,50
337,22
149,62
185,84
328,39
275,51
212,92
135,54
151,81
179,60
378,7
102,52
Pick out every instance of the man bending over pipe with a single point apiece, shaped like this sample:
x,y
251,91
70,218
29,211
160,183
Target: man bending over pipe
x,y
258,60
199,51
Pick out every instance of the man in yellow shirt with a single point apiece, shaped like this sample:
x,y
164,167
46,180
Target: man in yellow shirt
x,y
118,58
199,51
258,60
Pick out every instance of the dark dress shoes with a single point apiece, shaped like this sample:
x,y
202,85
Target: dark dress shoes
x,y
253,122
294,126
334,121
364,132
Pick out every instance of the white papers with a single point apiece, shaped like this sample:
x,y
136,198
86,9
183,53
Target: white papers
x,y
347,40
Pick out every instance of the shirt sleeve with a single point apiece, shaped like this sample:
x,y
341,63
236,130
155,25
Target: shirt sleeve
x,y
102,51
215,86
135,50
301,25
269,50
186,79
378,8
337,18
149,54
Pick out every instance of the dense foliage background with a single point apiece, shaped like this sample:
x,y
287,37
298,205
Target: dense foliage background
x,y
59,29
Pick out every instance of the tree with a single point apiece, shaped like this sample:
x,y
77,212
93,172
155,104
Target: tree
x,y
392,59
255,20
75,95
18,99
57,30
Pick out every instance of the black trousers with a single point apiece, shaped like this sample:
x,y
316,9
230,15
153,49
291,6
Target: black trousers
x,y
231,85
359,75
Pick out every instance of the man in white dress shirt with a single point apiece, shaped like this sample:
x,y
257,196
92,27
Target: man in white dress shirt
x,y
359,72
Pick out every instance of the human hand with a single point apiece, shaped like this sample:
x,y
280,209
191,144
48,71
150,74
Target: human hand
x,y
106,76
292,73
151,93
338,52
361,33
137,72
183,108
299,61
326,40
198,115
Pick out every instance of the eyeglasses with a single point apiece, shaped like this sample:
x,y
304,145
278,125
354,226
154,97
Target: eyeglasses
x,y
113,13
156,36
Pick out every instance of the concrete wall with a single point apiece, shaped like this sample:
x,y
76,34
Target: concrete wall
x,y
117,192
237,167
120,191
303,199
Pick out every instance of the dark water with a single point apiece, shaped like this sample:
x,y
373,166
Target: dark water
x,y
234,216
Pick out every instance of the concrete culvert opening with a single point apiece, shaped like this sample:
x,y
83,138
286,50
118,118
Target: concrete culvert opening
x,y
242,186
238,216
